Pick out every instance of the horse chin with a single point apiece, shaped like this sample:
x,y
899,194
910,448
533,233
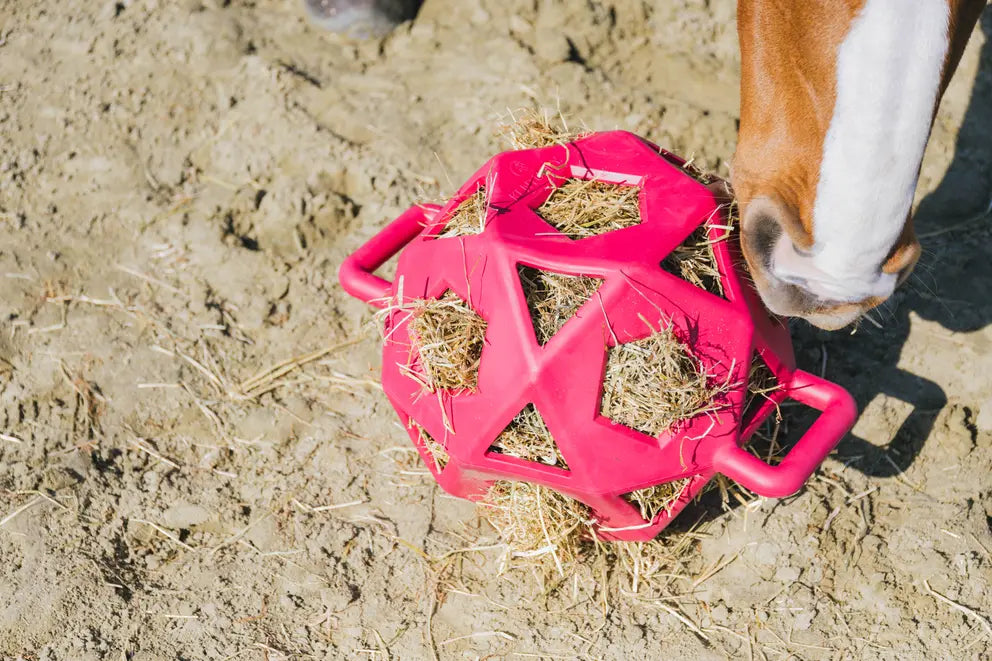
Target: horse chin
x,y
790,300
835,319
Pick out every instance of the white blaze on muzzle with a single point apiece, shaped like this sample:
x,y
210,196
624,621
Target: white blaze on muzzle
x,y
809,271
888,77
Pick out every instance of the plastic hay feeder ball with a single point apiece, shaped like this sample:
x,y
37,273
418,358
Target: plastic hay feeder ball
x,y
603,461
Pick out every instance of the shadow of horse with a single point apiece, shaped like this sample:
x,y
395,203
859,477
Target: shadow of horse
x,y
952,286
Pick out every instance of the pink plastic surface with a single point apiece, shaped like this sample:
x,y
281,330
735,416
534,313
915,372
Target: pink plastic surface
x,y
563,378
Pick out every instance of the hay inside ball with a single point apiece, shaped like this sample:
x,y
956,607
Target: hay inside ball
x,y
580,208
554,298
695,262
655,383
448,336
657,499
528,438
439,455
469,218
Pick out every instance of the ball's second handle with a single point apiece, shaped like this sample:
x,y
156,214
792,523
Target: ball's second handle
x,y
839,413
357,272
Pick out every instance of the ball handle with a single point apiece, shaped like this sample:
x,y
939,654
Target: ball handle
x,y
357,272
838,414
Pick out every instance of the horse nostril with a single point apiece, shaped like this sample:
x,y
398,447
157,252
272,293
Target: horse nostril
x,y
760,238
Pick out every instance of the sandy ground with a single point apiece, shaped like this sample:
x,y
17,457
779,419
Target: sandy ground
x,y
179,182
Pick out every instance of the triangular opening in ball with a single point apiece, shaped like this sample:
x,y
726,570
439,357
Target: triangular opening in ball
x,y
695,262
527,437
554,298
770,438
436,452
761,385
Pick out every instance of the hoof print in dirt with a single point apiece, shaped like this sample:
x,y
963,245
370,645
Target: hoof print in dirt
x,y
360,18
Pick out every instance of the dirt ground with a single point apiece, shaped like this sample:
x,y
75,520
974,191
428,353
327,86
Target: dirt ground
x,y
179,182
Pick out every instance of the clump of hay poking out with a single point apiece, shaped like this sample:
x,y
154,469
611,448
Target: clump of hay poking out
x,y
528,438
552,534
660,498
538,524
438,453
695,262
468,218
529,129
580,209
650,385
448,336
655,383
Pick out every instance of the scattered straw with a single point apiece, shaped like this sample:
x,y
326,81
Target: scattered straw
x,y
469,218
528,438
580,208
538,523
554,298
659,498
553,535
975,615
654,383
448,336
23,508
531,129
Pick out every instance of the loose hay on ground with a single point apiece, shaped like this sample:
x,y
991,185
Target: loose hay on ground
x,y
538,525
552,535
